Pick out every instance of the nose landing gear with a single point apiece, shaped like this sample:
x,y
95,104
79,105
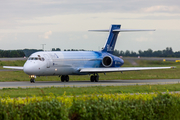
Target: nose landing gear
x,y
32,78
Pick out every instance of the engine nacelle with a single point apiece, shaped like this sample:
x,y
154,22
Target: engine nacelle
x,y
107,61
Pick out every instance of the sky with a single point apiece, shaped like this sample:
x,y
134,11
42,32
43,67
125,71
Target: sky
x,y
64,24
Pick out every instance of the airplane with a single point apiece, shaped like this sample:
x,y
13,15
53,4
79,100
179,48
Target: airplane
x,y
65,63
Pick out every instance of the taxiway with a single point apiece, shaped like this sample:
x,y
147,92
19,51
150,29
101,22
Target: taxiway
x,y
41,84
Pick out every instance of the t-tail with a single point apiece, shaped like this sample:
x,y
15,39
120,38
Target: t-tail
x,y
113,34
111,41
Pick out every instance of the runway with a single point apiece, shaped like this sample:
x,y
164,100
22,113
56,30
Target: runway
x,y
40,84
12,59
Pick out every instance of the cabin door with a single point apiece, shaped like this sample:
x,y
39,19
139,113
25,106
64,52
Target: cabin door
x,y
47,59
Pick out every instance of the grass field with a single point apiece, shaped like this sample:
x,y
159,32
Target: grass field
x,y
58,91
148,74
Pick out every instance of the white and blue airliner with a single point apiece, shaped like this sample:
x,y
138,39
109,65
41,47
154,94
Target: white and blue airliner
x,y
65,63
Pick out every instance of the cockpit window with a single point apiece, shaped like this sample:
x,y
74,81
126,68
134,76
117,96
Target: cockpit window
x,y
36,58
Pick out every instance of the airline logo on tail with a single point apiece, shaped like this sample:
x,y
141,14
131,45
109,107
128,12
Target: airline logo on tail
x,y
110,48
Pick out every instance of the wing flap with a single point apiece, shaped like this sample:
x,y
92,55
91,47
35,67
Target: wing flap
x,y
119,69
13,67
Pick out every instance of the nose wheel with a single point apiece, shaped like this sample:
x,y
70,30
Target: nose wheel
x,y
32,78
64,78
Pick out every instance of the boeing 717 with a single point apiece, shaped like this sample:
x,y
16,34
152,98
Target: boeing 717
x,y
65,63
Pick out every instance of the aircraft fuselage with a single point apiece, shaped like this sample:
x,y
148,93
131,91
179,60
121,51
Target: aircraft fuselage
x,y
68,63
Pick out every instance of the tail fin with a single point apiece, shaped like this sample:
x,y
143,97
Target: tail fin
x,y
113,34
111,41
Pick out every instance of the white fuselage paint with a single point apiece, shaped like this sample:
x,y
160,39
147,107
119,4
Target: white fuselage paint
x,y
61,63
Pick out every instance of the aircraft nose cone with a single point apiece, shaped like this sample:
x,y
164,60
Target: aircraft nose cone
x,y
30,68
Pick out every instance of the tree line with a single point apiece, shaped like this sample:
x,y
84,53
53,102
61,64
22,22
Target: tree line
x,y
168,52
11,53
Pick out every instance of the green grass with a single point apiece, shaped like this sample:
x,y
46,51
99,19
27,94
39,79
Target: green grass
x,y
148,74
154,63
12,63
23,92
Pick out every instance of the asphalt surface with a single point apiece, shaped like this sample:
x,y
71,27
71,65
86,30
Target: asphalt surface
x,y
41,84
12,59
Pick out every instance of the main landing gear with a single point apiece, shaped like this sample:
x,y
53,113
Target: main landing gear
x,y
94,78
64,78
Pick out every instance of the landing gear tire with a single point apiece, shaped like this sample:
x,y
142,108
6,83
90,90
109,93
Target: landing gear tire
x,y
64,78
67,78
32,80
94,78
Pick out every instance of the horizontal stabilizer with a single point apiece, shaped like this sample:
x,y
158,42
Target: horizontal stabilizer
x,y
123,30
13,67
113,34
99,30
119,69
132,30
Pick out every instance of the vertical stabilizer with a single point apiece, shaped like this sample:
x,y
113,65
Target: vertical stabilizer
x,y
113,34
111,41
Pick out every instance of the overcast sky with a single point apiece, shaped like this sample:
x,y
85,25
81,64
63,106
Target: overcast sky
x,y
65,23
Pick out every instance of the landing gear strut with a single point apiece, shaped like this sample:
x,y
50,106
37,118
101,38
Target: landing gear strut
x,y
94,78
64,78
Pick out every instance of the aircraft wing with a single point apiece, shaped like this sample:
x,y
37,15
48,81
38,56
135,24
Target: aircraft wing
x,y
119,69
13,67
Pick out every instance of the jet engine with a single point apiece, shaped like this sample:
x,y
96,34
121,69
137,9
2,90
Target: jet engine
x,y
107,61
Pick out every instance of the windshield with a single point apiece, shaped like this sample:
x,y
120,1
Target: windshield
x,y
36,58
